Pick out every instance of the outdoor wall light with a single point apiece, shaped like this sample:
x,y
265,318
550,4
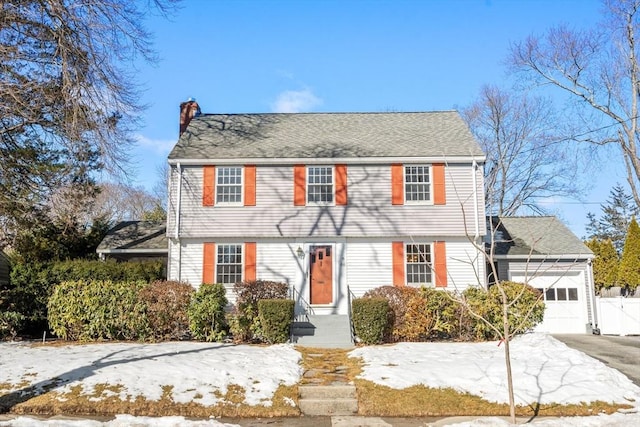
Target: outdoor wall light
x,y
300,252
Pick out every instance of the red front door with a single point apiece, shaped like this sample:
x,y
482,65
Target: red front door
x,y
321,275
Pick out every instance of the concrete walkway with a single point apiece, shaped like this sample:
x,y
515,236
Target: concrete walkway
x,y
621,353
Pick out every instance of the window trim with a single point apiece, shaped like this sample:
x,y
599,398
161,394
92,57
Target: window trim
x,y
217,264
429,201
307,186
430,264
218,175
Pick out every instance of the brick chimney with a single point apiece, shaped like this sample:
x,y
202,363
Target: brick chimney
x,y
188,110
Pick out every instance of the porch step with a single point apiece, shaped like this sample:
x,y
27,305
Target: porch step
x,y
328,400
324,331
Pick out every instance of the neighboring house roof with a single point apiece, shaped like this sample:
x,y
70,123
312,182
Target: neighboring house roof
x,y
135,237
326,135
539,235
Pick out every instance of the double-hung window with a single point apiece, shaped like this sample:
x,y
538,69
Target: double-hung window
x,y
229,264
417,184
418,263
229,185
320,184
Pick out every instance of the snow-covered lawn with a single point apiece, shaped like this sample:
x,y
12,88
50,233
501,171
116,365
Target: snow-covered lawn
x,y
545,371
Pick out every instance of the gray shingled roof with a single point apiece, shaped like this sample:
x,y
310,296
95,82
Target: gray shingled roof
x,y
326,135
139,235
541,235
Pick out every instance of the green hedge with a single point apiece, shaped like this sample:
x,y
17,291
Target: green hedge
x,y
31,284
206,313
276,316
370,319
425,314
97,310
245,322
526,308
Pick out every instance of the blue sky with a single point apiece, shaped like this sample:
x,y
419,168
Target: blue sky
x,y
352,55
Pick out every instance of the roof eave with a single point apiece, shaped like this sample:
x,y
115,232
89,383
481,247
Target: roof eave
x,y
325,160
132,251
573,257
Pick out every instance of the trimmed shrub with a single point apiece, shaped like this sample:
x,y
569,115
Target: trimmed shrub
x,y
245,322
206,313
96,310
430,314
10,322
276,316
31,284
526,308
398,298
167,303
370,319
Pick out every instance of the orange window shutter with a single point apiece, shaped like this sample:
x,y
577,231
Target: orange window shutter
x,y
398,263
440,256
341,185
208,185
397,185
208,262
250,261
299,185
249,185
439,190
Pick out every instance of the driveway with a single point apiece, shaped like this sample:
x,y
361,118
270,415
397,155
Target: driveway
x,y
621,353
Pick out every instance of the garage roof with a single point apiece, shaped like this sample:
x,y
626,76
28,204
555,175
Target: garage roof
x,y
539,235
135,236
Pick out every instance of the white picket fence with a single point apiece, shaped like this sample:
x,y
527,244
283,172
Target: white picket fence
x,y
618,315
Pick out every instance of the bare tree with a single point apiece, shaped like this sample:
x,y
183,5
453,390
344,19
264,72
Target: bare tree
x,y
68,96
119,202
598,70
525,164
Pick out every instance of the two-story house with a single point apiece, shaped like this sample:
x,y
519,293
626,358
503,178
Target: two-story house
x,y
334,204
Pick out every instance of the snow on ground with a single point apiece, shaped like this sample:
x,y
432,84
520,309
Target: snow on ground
x,y
544,369
195,370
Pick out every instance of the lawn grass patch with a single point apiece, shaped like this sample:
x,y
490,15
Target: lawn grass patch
x,y
378,400
105,401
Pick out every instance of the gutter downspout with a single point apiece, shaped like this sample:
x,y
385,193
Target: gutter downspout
x,y
476,220
177,232
592,296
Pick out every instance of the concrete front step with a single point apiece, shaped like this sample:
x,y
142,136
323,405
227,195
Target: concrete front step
x,y
328,331
327,391
328,400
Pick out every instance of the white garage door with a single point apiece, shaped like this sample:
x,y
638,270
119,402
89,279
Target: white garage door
x,y
566,308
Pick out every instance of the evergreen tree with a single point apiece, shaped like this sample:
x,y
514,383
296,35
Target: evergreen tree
x,y
629,270
616,216
605,263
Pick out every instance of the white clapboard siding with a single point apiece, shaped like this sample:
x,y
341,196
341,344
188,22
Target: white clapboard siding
x,y
465,266
368,213
369,265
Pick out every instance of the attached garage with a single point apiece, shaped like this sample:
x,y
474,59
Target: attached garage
x,y
544,253
565,300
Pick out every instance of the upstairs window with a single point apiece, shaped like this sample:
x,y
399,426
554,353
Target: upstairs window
x,y
319,184
417,184
229,185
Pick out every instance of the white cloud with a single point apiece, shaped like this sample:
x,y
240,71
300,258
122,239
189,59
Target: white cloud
x,y
159,146
295,101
